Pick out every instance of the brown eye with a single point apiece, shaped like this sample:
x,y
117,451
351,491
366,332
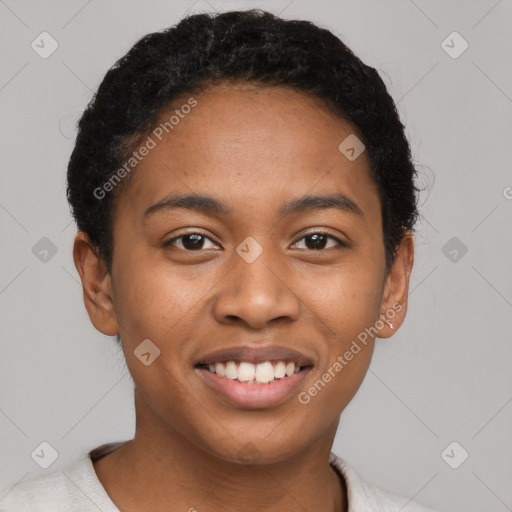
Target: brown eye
x,y
189,241
318,241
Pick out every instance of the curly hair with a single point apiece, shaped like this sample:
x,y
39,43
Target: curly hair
x,y
237,46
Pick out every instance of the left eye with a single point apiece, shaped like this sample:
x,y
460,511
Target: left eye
x,y
319,240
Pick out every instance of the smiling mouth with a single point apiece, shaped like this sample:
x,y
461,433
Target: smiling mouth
x,y
263,373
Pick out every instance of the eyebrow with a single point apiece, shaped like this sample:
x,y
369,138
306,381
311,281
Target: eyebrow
x,y
210,205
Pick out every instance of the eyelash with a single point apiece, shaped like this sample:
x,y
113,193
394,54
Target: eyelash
x,y
340,243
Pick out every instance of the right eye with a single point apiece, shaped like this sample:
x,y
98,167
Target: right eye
x,y
189,241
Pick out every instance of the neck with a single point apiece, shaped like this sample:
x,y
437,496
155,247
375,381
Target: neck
x,y
160,466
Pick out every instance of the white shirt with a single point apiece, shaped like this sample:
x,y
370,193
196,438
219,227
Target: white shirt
x,y
76,488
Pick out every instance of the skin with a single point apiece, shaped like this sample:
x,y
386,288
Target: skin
x,y
253,148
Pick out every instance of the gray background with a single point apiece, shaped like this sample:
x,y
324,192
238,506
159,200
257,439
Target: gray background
x,y
444,377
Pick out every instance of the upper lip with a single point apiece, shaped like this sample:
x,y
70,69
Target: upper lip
x,y
256,355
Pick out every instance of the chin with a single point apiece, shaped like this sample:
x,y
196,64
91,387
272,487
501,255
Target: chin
x,y
256,452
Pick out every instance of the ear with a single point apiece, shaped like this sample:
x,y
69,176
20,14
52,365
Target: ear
x,y
96,284
396,288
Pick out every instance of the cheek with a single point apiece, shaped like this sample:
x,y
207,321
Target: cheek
x,y
347,298
344,307
152,300
343,363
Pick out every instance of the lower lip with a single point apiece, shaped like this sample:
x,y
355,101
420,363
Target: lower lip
x,y
254,396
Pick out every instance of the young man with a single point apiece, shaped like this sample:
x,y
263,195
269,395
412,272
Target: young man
x,y
245,200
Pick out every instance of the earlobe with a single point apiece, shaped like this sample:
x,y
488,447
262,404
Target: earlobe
x,y
96,285
396,289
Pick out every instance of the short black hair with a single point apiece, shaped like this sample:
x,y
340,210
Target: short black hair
x,y
251,46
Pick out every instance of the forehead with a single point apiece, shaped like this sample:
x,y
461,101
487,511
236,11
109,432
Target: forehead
x,y
250,145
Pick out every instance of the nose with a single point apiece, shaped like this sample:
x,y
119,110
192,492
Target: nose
x,y
256,293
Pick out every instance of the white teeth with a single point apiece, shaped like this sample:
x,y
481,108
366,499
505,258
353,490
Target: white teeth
x,y
261,373
231,371
220,369
246,372
264,372
280,370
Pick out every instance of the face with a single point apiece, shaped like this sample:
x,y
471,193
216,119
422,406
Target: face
x,y
256,279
